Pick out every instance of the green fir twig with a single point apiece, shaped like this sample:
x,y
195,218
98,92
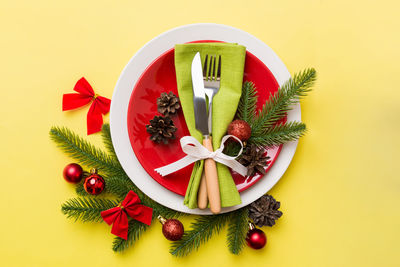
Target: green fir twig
x,y
247,108
86,209
106,136
237,229
84,152
280,134
282,101
202,229
136,229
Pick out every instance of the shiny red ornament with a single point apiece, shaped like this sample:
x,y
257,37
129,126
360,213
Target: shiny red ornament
x,y
256,238
172,229
73,173
240,129
94,184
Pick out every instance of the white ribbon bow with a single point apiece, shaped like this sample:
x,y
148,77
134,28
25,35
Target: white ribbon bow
x,y
196,151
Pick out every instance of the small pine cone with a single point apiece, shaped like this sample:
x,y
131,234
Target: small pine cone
x,y
161,129
168,103
264,211
254,159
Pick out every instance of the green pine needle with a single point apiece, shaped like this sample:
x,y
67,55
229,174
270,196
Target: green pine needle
x,y
86,209
202,229
279,134
106,135
247,107
82,151
135,231
237,230
281,102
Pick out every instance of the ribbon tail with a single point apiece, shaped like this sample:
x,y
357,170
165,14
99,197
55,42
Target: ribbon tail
x,y
234,165
177,165
120,226
103,104
94,119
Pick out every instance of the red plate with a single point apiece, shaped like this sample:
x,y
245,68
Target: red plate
x,y
160,77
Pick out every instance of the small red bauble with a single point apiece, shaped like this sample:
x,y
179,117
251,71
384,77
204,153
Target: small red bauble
x,y
240,129
73,173
172,229
256,238
94,184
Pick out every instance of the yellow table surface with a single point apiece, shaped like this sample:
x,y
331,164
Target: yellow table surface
x,y
340,195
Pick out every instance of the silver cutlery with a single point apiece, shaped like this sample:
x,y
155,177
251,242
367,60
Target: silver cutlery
x,y
202,124
211,77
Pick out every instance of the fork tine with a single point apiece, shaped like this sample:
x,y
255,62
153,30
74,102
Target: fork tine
x,y
205,67
209,76
214,74
219,68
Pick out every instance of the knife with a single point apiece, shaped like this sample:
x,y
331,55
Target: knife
x,y
201,123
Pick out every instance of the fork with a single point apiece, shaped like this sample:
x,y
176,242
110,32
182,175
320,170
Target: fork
x,y
212,80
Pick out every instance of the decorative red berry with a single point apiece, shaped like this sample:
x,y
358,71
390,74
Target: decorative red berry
x,y
240,129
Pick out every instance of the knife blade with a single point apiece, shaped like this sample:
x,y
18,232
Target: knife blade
x,y
199,96
201,123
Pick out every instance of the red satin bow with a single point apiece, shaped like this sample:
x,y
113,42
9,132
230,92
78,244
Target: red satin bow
x,y
100,105
118,216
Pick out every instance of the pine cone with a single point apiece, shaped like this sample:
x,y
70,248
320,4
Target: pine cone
x,y
254,159
168,103
161,129
264,211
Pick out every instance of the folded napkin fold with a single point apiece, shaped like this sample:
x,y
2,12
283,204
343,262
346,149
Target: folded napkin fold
x,y
224,108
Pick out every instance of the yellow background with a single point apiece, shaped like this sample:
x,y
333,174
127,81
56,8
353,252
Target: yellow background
x,y
340,195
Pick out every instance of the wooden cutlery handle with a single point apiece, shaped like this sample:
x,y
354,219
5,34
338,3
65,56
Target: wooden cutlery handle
x,y
210,169
202,199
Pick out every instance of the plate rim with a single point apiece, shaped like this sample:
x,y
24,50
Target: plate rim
x,y
133,71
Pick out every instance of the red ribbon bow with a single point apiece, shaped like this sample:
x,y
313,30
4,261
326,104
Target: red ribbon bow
x,y
100,105
118,216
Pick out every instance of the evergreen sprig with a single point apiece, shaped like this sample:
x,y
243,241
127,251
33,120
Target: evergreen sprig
x,y
84,152
202,229
237,230
280,134
87,209
282,101
247,108
106,136
136,229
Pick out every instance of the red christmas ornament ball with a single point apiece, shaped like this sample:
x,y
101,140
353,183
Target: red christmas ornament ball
x,y
256,238
73,173
94,184
240,129
172,229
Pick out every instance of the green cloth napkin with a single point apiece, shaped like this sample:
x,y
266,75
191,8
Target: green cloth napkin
x,y
224,108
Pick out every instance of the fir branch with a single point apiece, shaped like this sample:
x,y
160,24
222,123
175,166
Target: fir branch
x,y
106,135
280,134
281,102
87,209
120,187
84,152
136,229
248,103
80,190
201,231
237,230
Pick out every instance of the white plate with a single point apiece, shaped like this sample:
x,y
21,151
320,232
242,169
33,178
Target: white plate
x,y
136,66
